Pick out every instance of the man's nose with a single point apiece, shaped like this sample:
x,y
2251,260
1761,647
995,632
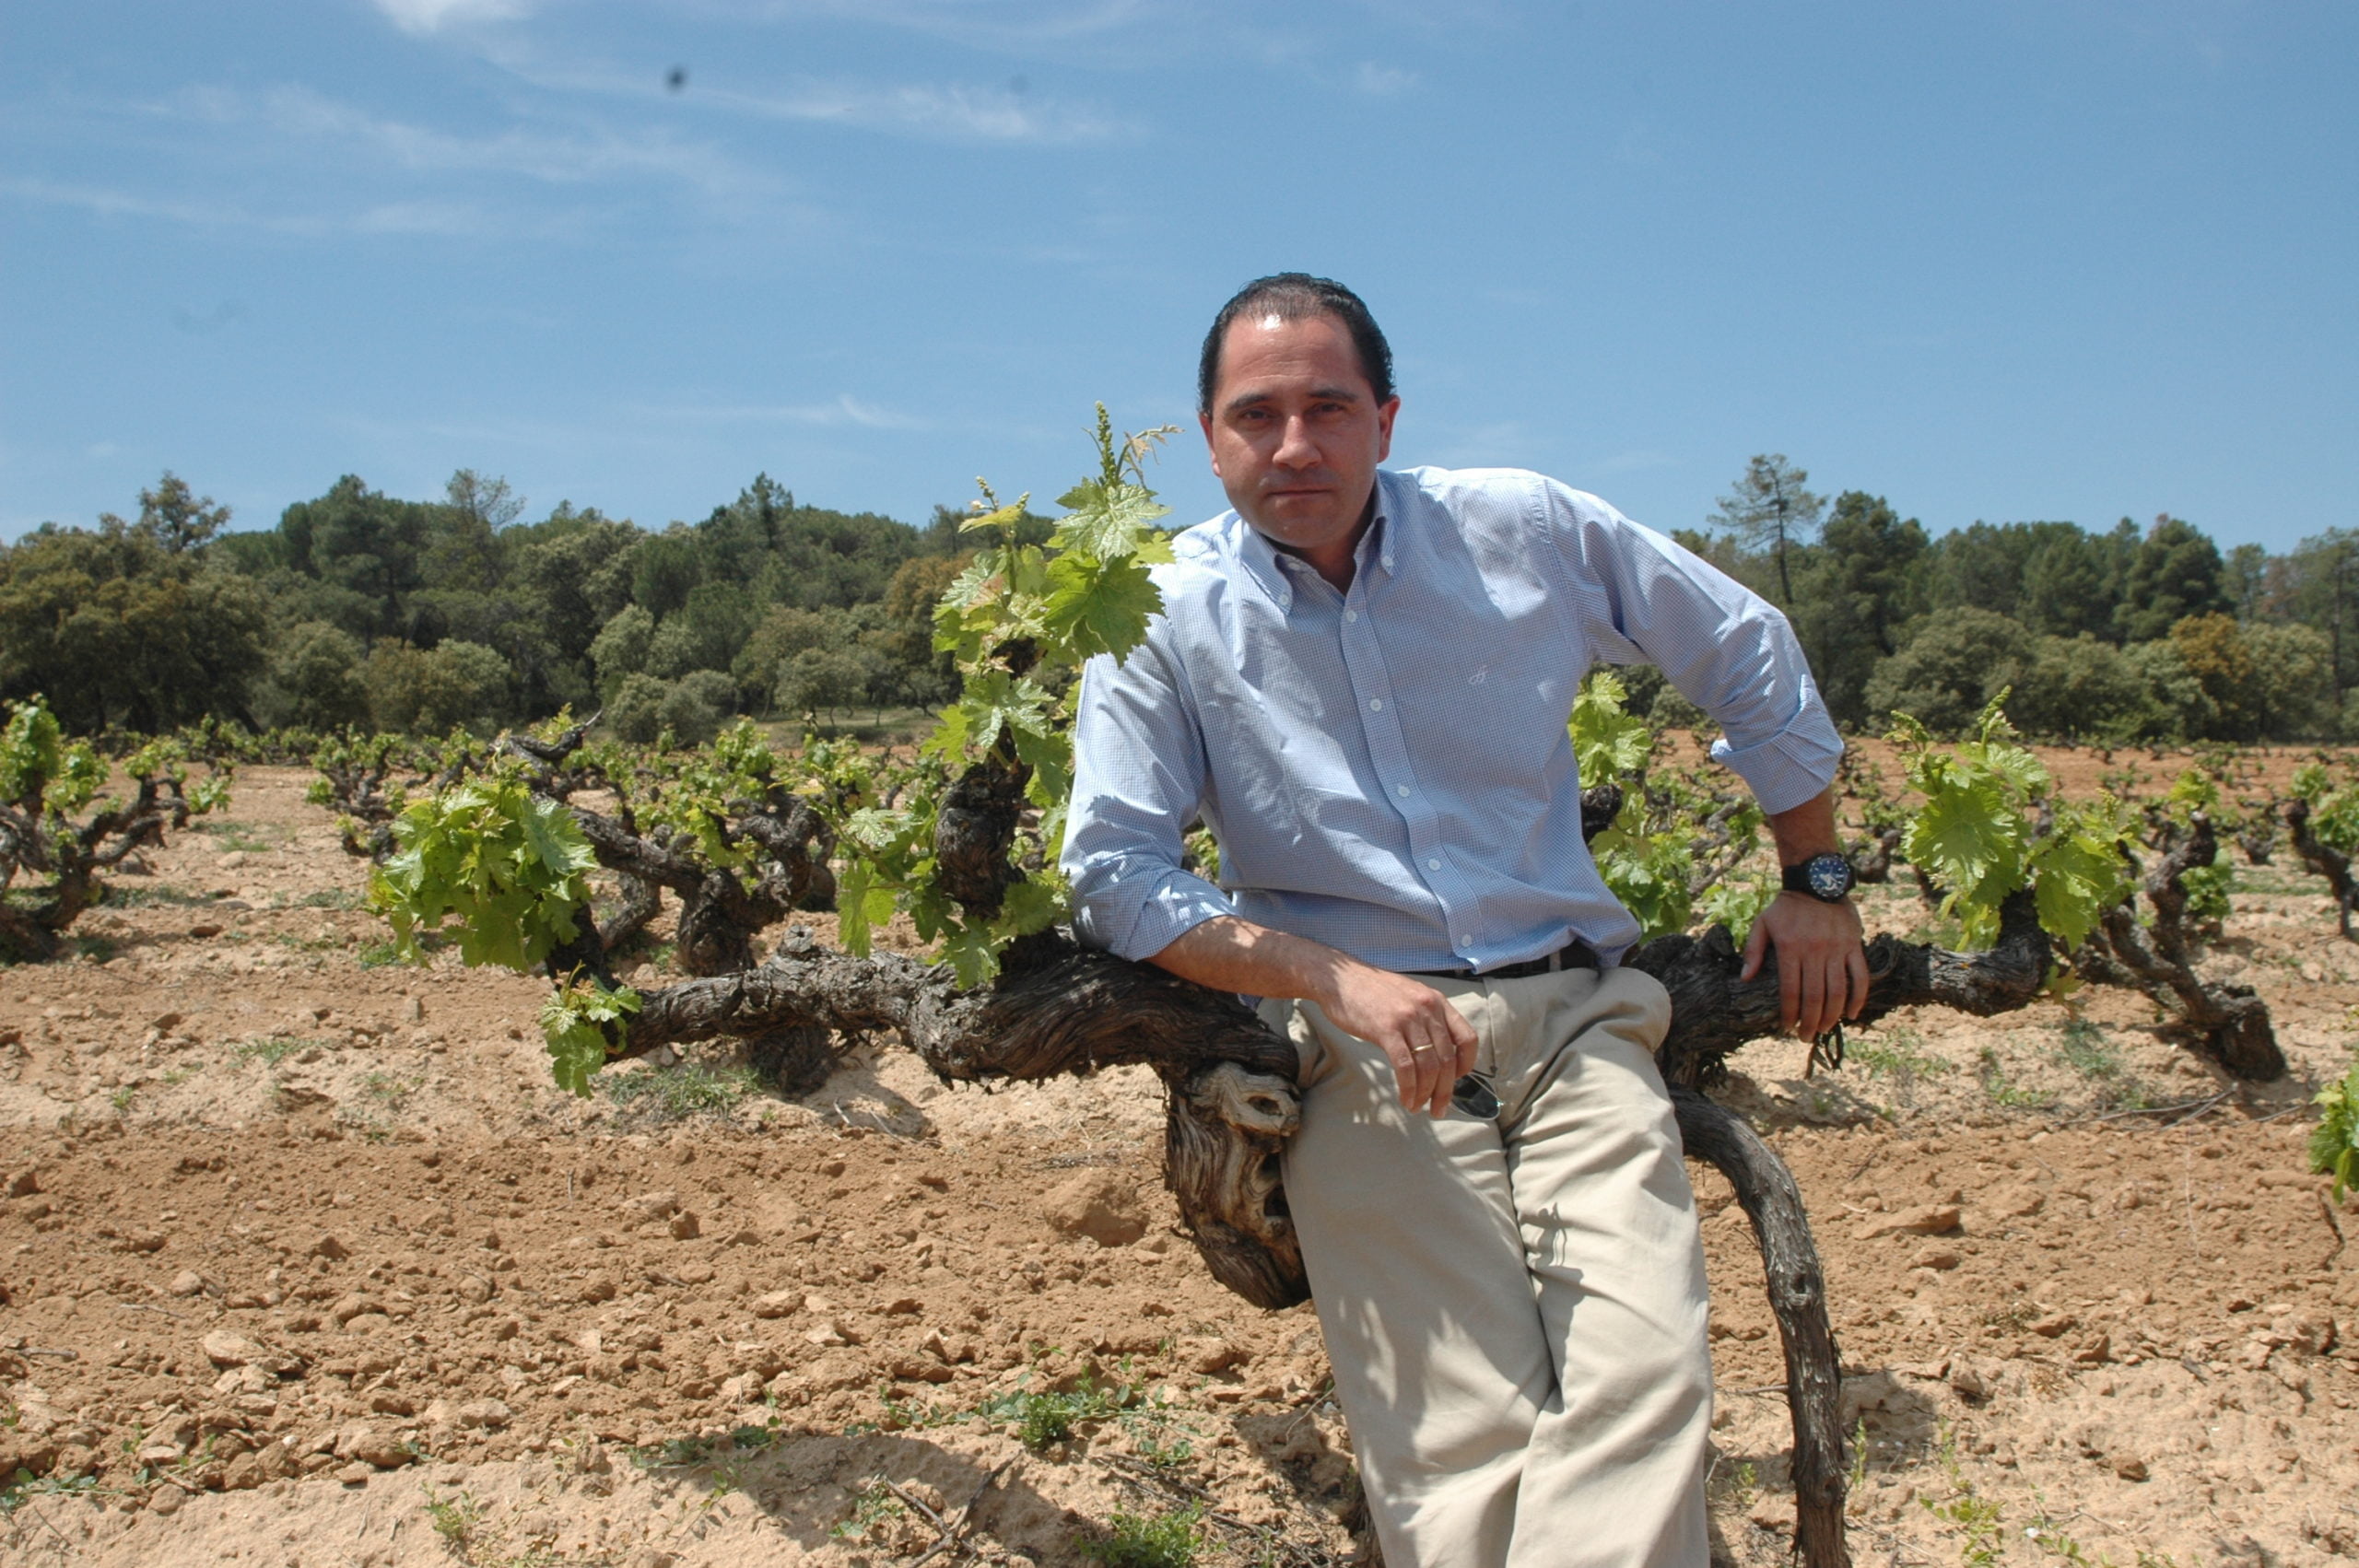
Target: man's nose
x,y
1295,448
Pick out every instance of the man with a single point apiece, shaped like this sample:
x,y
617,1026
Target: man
x,y
1360,680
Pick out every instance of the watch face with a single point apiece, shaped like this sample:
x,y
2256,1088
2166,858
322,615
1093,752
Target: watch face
x,y
1830,877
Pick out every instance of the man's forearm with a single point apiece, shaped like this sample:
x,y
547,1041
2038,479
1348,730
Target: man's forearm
x,y
1806,830
1228,953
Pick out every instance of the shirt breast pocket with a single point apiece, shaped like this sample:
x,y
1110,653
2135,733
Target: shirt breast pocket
x,y
1265,766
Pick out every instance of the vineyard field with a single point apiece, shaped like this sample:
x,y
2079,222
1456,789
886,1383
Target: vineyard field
x,y
305,1253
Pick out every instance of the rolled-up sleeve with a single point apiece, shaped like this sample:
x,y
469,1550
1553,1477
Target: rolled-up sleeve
x,y
1648,600
1138,780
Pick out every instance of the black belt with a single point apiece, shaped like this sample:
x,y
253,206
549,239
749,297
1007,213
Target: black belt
x,y
1574,955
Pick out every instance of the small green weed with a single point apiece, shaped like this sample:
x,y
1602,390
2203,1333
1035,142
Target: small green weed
x,y
27,1486
390,1089
1982,1541
1150,1541
234,835
873,1506
1043,1419
1160,1433
1163,1441
381,955
2086,1048
672,1093
2050,1539
685,1453
131,896
331,898
908,1415
2014,1096
96,949
1859,1476
454,1517
120,1099
1746,1485
271,1049
1895,1053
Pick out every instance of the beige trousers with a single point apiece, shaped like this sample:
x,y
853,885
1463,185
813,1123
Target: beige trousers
x,y
1515,1309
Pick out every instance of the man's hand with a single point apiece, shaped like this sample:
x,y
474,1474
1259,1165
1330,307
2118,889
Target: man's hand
x,y
1430,1045
1822,968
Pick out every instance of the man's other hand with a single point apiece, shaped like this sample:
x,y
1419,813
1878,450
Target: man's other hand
x,y
1430,1045
1822,967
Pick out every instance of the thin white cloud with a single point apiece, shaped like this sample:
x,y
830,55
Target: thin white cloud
x,y
448,219
950,113
294,160
1383,81
1004,112
560,157
107,202
839,412
1004,23
424,16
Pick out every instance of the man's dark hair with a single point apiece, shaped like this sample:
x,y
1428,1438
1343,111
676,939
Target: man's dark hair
x,y
1294,296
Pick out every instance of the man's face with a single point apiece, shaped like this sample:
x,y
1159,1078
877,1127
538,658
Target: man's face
x,y
1296,433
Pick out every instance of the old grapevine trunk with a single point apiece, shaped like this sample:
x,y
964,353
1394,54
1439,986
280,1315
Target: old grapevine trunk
x,y
71,856
2324,859
1798,1296
2225,1023
1057,1008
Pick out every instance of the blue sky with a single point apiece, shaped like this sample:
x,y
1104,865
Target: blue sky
x,y
2067,259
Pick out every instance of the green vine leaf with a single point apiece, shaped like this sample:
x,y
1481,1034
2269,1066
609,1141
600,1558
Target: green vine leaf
x,y
507,865
583,1024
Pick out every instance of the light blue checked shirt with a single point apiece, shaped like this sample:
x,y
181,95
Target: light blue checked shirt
x,y
1386,769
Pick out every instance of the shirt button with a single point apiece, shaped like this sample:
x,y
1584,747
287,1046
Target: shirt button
x,y
1351,614
1400,789
1466,942
1375,705
1433,865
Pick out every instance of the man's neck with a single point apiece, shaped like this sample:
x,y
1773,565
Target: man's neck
x,y
1338,562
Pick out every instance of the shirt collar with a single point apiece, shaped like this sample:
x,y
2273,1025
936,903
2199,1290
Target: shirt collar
x,y
1266,564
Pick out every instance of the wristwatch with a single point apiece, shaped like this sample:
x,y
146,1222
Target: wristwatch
x,y
1826,878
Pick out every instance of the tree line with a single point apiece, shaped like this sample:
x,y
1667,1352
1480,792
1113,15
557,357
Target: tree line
x,y
364,609
2126,634
368,610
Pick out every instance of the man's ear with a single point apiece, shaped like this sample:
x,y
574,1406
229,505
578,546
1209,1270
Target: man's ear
x,y
1384,428
1205,423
